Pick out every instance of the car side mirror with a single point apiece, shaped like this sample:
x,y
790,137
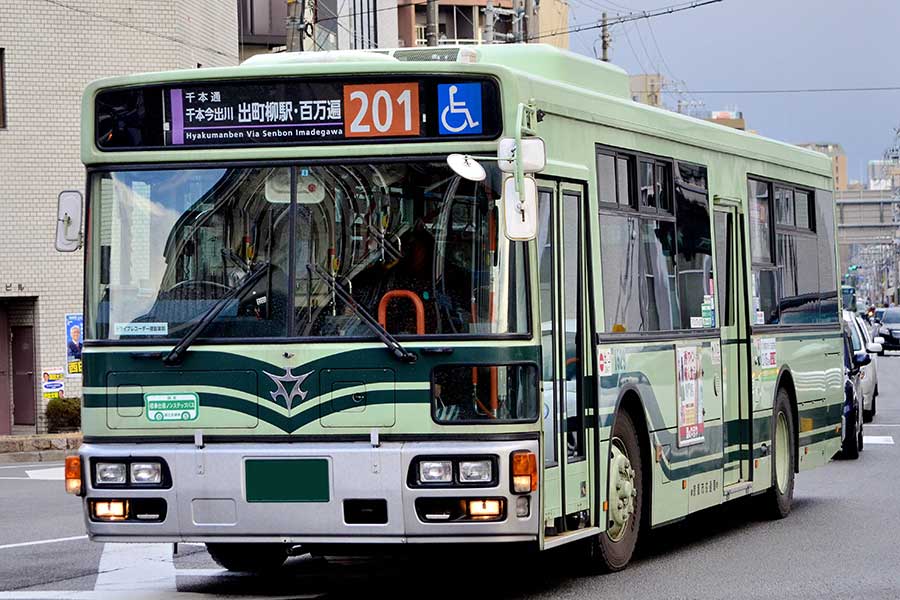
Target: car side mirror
x,y
861,359
68,221
874,348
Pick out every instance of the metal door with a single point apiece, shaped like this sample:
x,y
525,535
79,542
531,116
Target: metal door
x,y
5,380
23,374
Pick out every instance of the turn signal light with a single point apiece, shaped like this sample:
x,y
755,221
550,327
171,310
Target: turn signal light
x,y
73,475
524,472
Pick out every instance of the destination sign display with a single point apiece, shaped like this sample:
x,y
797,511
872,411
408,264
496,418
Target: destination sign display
x,y
297,111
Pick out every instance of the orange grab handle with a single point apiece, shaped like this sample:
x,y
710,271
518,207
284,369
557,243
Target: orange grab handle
x,y
412,297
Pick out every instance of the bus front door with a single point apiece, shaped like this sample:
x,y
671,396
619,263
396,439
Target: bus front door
x,y
732,316
567,482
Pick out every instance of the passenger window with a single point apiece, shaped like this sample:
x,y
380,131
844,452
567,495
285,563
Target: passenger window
x,y
694,260
658,294
724,235
760,228
620,251
606,179
648,188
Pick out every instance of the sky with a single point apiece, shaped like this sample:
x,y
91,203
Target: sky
x,y
771,44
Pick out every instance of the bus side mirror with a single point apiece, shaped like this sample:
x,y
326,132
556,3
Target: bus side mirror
x,y
531,151
68,221
520,213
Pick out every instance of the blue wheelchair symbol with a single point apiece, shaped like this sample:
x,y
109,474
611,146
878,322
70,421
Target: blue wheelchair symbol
x,y
459,105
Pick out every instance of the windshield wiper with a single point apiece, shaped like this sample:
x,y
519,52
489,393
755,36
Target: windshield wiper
x,y
397,350
256,272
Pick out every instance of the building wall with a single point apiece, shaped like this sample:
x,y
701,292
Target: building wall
x,y
51,53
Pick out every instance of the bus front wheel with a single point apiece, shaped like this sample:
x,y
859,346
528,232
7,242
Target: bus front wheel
x,y
612,550
776,501
249,558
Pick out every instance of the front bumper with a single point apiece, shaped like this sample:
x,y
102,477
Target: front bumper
x,y
207,501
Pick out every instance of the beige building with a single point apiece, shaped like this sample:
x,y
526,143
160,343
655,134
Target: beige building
x,y
48,53
646,88
838,161
867,222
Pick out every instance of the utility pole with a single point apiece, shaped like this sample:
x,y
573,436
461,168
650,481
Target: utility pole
x,y
530,21
489,22
295,25
604,39
431,23
517,21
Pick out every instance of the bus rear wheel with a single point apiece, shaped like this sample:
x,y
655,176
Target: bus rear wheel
x,y
776,502
612,550
249,558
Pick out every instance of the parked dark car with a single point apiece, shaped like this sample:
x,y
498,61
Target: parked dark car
x,y
889,329
852,418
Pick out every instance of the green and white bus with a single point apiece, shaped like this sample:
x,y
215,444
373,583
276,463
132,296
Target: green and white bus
x,y
454,295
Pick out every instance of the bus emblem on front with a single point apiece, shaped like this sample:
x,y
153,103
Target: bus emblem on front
x,y
280,390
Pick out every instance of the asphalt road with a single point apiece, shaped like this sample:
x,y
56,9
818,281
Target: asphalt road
x,y
840,541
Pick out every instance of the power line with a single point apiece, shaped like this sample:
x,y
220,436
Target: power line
x,y
126,25
646,14
888,88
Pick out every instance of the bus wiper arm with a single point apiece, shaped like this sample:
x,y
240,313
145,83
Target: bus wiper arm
x,y
258,270
390,341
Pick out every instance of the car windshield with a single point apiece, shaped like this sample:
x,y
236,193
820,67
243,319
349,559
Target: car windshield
x,y
409,242
891,316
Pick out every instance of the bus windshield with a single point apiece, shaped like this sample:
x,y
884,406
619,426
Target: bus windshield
x,y
409,243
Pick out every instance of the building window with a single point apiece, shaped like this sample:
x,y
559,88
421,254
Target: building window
x,y
2,88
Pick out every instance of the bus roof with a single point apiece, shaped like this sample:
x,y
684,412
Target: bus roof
x,y
568,81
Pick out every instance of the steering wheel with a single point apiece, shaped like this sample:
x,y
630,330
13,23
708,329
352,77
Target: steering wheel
x,y
197,283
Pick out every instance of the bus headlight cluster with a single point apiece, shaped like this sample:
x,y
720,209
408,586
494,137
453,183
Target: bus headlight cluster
x,y
477,471
131,472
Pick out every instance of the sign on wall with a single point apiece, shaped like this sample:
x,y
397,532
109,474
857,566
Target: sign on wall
x,y
53,384
74,336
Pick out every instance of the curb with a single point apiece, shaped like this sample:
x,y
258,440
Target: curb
x,y
35,457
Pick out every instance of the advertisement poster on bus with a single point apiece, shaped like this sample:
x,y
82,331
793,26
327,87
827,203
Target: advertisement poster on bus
x,y
53,384
74,330
690,396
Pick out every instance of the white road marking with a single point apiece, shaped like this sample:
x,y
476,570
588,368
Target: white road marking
x,y
40,542
51,474
882,424
135,567
25,466
133,595
878,439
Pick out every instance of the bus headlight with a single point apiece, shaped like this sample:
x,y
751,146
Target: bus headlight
x,y
435,471
146,473
475,471
110,473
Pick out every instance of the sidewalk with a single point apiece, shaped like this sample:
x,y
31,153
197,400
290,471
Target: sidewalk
x,y
37,448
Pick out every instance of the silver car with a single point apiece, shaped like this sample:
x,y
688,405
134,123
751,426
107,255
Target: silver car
x,y
861,339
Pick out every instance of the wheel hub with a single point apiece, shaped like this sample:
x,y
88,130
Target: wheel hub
x,y
622,492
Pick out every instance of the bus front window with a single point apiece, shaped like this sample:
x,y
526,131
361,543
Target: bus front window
x,y
410,242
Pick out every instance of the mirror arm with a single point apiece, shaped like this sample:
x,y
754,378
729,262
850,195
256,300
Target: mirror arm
x,y
524,116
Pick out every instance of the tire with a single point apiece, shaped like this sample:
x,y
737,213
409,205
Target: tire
x,y
613,549
850,444
869,415
776,502
249,558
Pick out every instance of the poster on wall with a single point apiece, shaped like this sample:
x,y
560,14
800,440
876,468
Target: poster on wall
x,y
53,384
74,329
690,396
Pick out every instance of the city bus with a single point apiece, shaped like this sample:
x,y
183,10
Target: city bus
x,y
440,296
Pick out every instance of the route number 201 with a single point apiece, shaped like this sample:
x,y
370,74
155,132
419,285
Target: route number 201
x,y
381,109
